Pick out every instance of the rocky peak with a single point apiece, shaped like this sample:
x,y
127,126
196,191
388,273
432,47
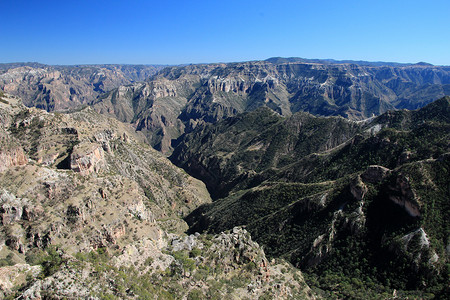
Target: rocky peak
x,y
125,189
404,195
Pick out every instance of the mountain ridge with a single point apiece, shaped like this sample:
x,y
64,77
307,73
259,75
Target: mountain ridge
x,y
279,60
312,159
167,102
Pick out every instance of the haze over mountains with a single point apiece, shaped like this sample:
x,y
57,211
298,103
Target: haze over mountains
x,y
337,167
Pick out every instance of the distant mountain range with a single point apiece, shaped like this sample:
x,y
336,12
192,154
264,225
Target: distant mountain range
x,y
65,87
278,60
177,99
164,103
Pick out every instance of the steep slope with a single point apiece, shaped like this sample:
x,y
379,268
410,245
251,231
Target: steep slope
x,y
243,151
228,265
89,210
64,87
84,161
362,218
177,99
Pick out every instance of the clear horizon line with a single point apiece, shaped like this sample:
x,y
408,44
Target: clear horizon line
x,y
329,60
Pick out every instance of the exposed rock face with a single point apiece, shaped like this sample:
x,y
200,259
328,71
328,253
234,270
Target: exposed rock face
x,y
11,153
15,275
358,189
63,87
12,157
237,246
323,244
188,243
87,158
416,246
14,209
178,99
63,284
405,196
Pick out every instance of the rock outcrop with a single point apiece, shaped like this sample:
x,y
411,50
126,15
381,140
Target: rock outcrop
x,y
403,195
11,153
87,158
12,276
375,174
154,268
11,157
14,209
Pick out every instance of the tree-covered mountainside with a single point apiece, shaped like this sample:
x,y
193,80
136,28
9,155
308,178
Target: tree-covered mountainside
x,y
358,206
240,152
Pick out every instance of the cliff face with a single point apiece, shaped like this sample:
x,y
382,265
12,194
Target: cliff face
x,y
64,87
177,99
11,156
87,158
11,153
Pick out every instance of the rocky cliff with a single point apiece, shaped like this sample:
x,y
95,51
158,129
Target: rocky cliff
x,y
196,267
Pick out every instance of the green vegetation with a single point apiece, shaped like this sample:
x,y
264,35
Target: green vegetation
x,y
51,259
7,261
302,206
218,272
1,98
261,143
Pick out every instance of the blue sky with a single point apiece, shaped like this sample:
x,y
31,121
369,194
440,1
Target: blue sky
x,y
177,32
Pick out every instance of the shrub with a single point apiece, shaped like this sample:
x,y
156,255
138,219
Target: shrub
x,y
7,261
